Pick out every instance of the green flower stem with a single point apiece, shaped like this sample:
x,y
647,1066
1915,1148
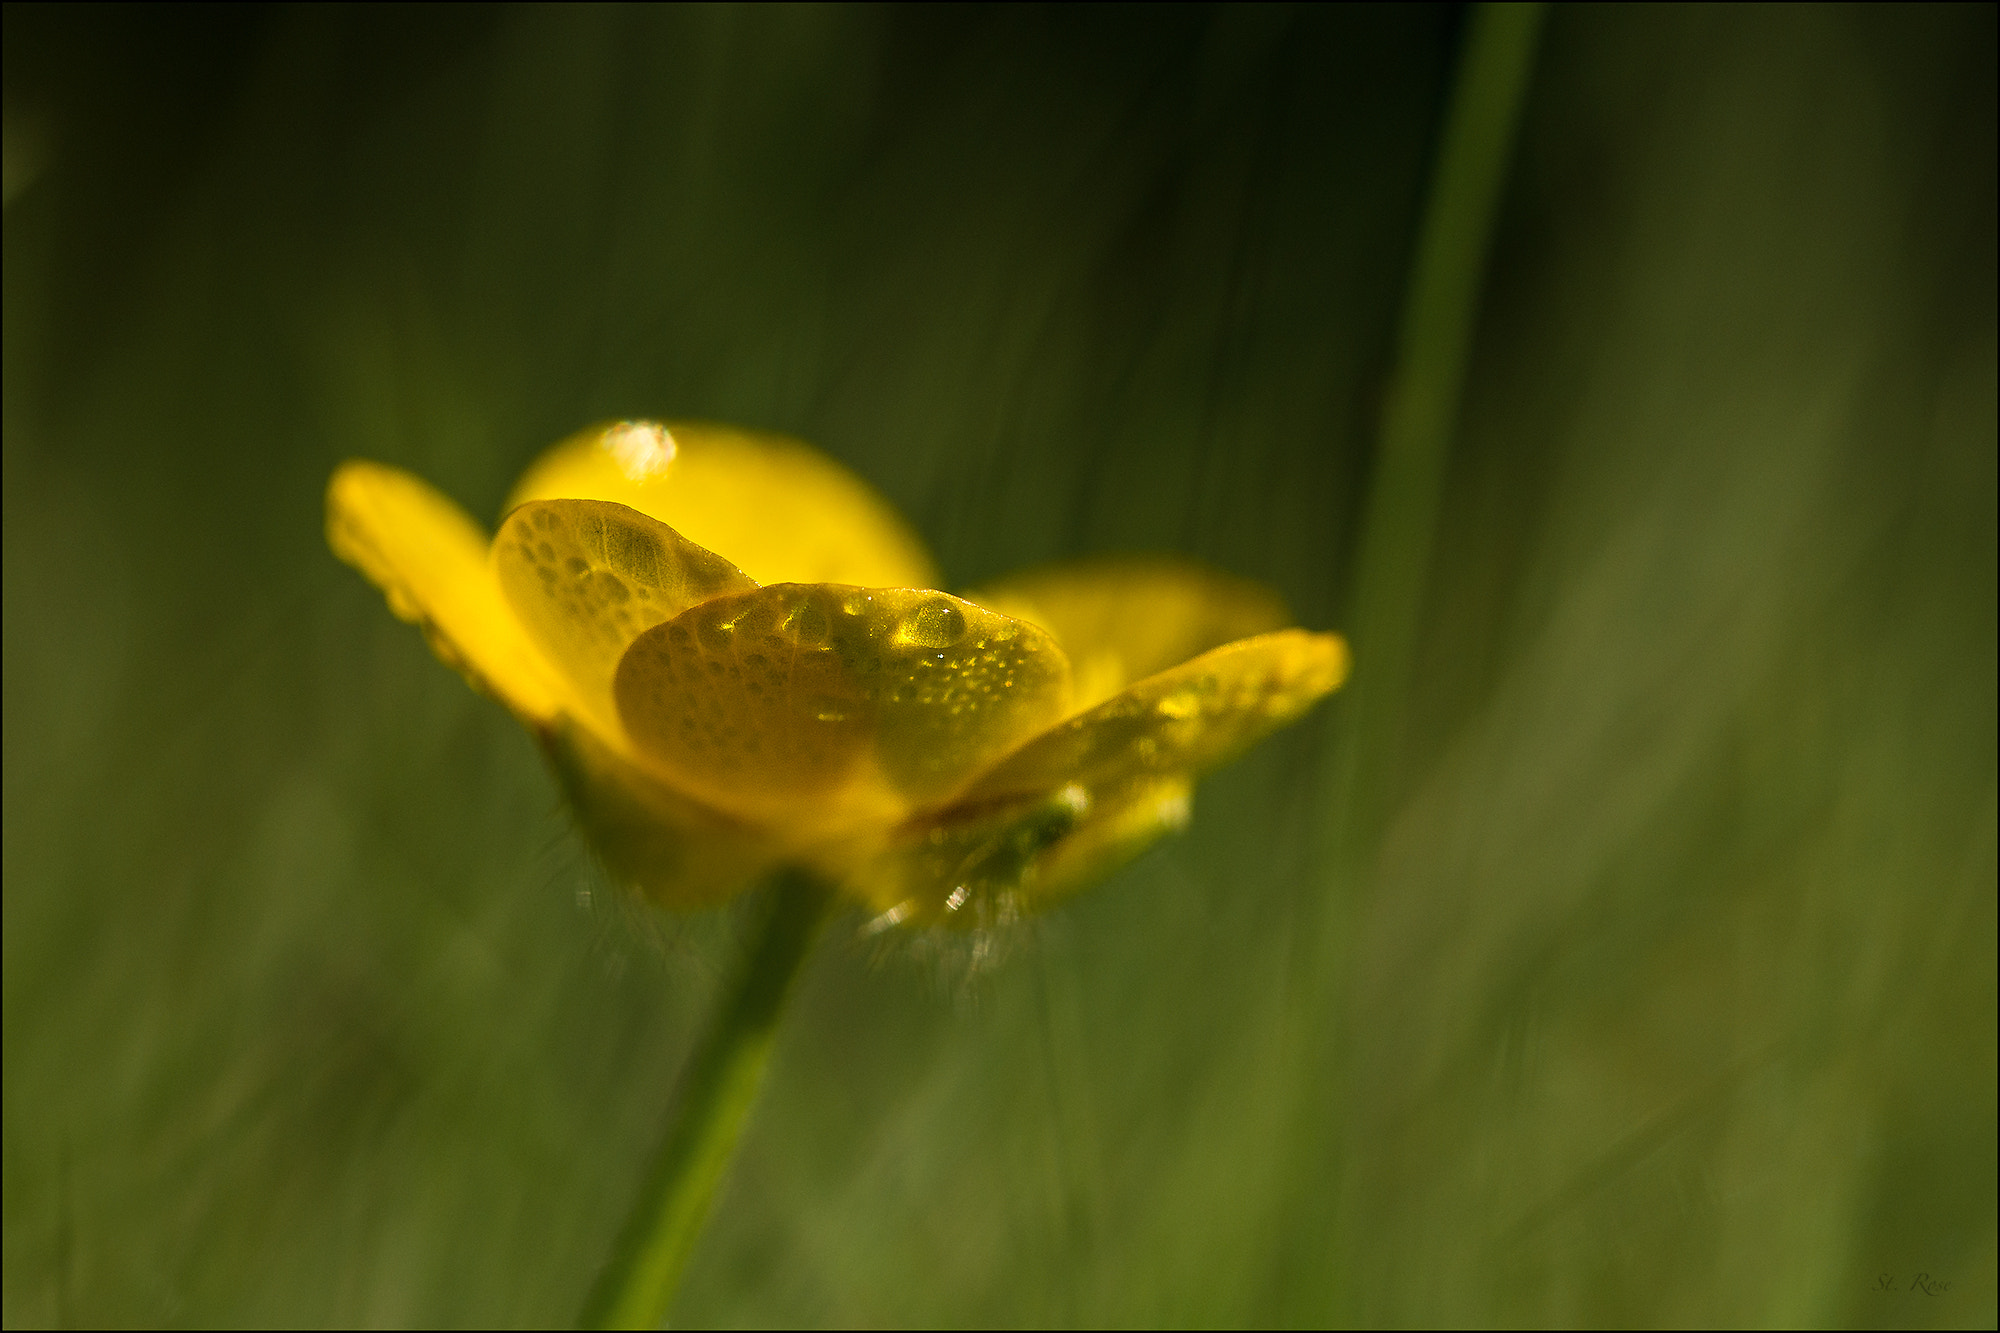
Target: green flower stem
x,y
1433,344
717,1091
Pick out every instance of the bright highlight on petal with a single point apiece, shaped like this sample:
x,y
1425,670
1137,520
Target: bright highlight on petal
x,y
942,760
833,706
780,510
429,558
642,449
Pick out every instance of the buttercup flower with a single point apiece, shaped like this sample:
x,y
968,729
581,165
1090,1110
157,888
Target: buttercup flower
x,y
733,653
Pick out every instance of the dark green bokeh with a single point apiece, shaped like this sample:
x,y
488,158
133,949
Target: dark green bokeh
x,y
1669,991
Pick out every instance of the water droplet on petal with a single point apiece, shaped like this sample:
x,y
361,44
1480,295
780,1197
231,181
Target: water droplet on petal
x,y
641,449
808,623
936,624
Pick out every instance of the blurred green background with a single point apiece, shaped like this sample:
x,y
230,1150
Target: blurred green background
x,y
1666,991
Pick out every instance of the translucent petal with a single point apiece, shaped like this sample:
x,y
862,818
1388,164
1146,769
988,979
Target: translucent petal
x,y
1177,722
1123,618
650,836
587,577
986,865
779,509
1121,825
1074,803
430,559
825,707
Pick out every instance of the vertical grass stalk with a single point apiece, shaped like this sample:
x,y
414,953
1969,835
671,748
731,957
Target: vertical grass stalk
x,y
1420,415
1399,529
712,1105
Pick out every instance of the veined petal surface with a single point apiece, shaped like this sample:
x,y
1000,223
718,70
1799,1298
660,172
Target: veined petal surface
x,y
1123,618
779,509
823,707
430,559
587,577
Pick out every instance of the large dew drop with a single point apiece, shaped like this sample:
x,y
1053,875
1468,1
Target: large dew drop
x,y
642,449
936,624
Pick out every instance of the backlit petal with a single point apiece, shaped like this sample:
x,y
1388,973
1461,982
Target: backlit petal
x,y
1177,722
986,865
828,708
430,559
1123,618
587,577
779,509
1090,793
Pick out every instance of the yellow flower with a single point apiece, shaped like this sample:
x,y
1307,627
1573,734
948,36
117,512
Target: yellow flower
x,y
815,703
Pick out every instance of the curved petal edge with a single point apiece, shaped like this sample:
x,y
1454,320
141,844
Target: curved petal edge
x,y
430,560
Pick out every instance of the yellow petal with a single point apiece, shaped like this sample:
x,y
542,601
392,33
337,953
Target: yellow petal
x,y
1177,722
1120,826
648,835
986,865
1090,793
780,510
587,577
824,707
429,557
1122,618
